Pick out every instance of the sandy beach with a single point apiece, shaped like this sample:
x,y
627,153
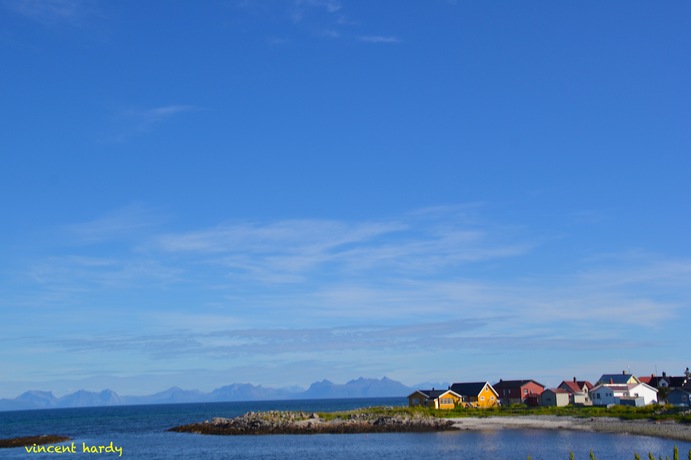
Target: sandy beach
x,y
665,429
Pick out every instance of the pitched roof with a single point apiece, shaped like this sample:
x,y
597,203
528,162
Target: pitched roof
x,y
434,394
677,382
514,383
469,388
575,386
558,390
672,382
616,378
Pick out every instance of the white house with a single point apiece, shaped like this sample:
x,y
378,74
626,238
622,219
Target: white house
x,y
608,393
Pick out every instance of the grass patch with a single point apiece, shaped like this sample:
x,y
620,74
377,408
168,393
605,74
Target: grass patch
x,y
651,412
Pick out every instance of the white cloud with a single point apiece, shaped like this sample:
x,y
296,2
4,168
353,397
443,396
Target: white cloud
x,y
51,13
46,11
144,119
379,39
303,7
124,222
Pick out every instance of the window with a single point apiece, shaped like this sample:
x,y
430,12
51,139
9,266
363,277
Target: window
x,y
482,398
525,392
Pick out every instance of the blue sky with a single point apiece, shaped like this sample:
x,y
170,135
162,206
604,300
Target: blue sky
x,y
277,192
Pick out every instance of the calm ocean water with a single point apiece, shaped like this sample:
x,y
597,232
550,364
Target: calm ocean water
x,y
141,433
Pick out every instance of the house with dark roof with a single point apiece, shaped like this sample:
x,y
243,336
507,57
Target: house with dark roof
x,y
476,394
618,379
436,399
664,381
518,391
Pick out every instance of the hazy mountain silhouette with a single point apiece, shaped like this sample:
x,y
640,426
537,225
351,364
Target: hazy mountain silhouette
x,y
325,389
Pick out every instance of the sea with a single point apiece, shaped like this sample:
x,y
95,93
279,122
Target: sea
x,y
140,432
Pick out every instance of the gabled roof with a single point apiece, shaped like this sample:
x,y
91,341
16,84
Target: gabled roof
x,y
642,384
611,386
622,386
617,378
514,384
558,390
575,386
471,388
677,382
672,382
434,394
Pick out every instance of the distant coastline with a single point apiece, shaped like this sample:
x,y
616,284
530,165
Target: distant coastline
x,y
325,389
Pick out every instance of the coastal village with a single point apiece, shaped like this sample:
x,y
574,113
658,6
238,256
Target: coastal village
x,y
610,389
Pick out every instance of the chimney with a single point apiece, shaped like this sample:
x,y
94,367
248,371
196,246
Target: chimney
x,y
611,381
623,372
574,380
664,374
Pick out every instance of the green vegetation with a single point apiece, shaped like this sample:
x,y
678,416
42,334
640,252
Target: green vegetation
x,y
652,412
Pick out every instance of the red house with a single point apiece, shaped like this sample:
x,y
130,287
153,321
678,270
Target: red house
x,y
519,391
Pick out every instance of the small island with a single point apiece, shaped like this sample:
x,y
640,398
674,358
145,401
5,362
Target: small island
x,y
370,420
31,440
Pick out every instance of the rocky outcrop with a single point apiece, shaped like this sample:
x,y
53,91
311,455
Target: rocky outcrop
x,y
278,422
33,440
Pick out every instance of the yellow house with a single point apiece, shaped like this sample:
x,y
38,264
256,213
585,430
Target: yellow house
x,y
476,394
436,399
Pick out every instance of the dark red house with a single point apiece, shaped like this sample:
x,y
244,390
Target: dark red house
x,y
519,391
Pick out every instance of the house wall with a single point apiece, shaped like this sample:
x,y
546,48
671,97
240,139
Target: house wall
x,y
446,401
602,396
531,388
416,400
514,395
551,398
679,398
487,398
580,398
649,395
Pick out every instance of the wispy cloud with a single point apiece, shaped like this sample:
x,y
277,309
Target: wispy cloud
x,y
442,262
144,119
291,249
300,8
125,222
129,122
385,39
325,19
52,12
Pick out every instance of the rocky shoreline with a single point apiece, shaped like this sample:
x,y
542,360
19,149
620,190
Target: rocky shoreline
x,y
377,421
278,422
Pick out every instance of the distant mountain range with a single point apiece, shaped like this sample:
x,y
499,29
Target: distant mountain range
x,y
359,388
